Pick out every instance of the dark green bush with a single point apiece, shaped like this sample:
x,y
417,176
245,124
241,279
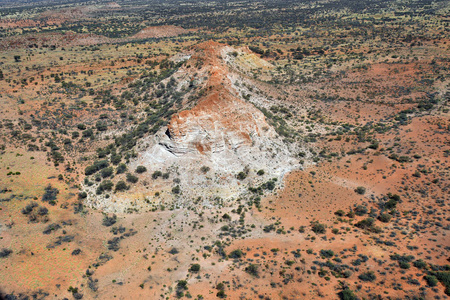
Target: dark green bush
x,y
107,172
366,223
5,252
176,189
360,190
97,166
106,185
444,278
121,186
385,218
360,210
318,228
156,174
326,253
194,268
109,221
347,295
431,280
50,195
252,269
241,175
367,276
131,178
141,169
339,213
122,168
420,264
236,254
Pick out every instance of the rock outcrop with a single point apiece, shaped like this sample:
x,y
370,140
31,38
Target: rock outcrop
x,y
221,121
205,147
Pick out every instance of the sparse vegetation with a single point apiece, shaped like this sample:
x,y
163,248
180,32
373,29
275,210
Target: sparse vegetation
x,y
300,147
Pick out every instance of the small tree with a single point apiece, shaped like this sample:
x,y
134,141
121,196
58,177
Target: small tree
x,y
194,268
236,254
360,190
176,189
367,276
131,178
121,186
252,269
318,228
347,294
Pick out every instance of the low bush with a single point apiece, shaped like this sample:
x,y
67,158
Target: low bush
x,y
252,269
194,268
5,252
367,276
141,169
131,178
121,186
109,221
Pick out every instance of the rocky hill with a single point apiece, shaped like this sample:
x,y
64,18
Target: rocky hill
x,y
213,148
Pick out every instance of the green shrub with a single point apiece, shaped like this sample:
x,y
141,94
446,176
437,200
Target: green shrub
x,y
182,285
97,166
318,228
101,126
367,276
444,278
404,265
241,175
194,268
107,172
131,178
141,169
385,218
50,195
360,210
176,189
106,185
115,159
339,213
221,294
431,280
236,254
5,252
156,174
360,190
326,253
347,295
122,168
121,186
366,223
252,269
420,264
109,221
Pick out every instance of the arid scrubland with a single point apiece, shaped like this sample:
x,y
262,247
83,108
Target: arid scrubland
x,y
224,150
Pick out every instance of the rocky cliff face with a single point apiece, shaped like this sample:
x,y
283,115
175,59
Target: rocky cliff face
x,y
221,121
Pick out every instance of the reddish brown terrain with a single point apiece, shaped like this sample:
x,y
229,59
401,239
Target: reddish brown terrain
x,y
153,152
